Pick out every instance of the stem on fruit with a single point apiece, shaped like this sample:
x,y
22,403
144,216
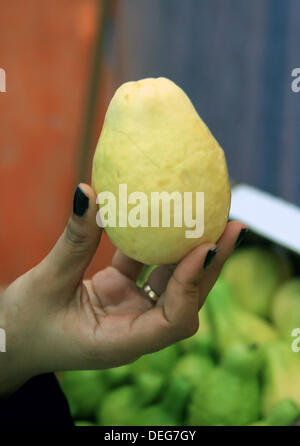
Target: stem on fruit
x,y
145,274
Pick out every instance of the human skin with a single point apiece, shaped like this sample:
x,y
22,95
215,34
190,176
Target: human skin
x,y
54,320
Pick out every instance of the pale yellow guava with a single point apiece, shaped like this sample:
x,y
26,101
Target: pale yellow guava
x,y
153,140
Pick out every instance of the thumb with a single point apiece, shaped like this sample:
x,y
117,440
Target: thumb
x,y
77,245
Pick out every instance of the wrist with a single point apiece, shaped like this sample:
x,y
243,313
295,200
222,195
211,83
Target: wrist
x,y
15,364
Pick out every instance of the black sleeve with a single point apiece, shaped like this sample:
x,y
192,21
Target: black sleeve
x,y
39,402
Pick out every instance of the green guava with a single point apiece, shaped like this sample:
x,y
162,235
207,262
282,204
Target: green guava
x,y
286,307
281,373
254,274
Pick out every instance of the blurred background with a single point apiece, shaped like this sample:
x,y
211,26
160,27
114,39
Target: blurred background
x,y
63,60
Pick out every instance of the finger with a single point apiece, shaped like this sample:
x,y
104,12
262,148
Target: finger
x,y
176,316
76,246
181,299
160,277
127,266
151,331
226,245
227,241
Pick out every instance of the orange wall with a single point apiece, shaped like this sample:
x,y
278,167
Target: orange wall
x,y
45,49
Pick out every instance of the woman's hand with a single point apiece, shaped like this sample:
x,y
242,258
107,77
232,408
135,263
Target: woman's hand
x,y
56,321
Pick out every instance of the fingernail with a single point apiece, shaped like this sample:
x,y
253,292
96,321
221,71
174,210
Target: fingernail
x,y
241,237
209,258
80,203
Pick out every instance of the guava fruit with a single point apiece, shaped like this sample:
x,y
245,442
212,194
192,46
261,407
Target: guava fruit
x,y
202,342
232,324
193,368
153,416
170,410
149,386
230,394
283,413
161,361
84,390
281,374
153,141
117,375
118,407
286,307
122,406
254,273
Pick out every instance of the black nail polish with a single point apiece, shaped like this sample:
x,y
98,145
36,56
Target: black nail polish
x,y
209,258
241,237
80,203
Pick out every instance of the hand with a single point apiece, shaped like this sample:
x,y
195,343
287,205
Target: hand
x,y
56,321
